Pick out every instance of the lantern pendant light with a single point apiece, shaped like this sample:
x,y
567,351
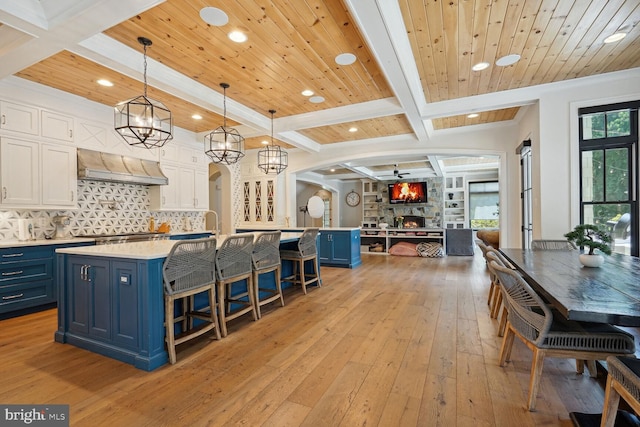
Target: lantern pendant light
x,y
141,121
224,144
272,159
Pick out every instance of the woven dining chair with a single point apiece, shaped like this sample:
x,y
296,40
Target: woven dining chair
x,y
307,251
189,269
495,256
233,265
623,380
266,259
553,245
548,334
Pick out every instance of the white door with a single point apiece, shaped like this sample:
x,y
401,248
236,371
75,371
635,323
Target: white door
x,y
19,172
59,175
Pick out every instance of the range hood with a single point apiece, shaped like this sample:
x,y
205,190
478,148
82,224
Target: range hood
x,y
101,166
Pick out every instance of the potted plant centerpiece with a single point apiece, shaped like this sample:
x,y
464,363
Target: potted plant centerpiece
x,y
592,237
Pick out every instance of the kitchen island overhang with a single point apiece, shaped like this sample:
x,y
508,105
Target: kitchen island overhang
x,y
111,299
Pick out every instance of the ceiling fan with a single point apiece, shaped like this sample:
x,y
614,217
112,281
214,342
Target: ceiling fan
x,y
397,173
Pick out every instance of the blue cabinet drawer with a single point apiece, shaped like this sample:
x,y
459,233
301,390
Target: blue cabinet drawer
x,y
24,295
14,272
20,254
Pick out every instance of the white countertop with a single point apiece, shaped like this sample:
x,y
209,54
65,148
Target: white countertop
x,y
42,242
141,250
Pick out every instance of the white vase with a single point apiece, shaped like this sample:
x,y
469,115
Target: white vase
x,y
595,260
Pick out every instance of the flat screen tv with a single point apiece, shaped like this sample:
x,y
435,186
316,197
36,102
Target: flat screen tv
x,y
408,192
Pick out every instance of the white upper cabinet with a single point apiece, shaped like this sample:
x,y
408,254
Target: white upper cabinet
x,y
57,126
201,189
170,152
193,156
36,174
18,118
167,197
19,172
59,175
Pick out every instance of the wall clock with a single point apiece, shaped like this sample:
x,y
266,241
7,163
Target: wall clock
x,y
353,198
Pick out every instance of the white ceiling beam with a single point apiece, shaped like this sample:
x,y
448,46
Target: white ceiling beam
x,y
84,20
382,27
348,113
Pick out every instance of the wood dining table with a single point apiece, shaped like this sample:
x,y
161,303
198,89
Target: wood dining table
x,y
607,294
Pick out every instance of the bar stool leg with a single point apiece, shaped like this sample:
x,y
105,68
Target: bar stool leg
x,y
220,290
303,280
170,331
278,274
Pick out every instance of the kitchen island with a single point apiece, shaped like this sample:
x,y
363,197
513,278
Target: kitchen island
x,y
337,246
111,299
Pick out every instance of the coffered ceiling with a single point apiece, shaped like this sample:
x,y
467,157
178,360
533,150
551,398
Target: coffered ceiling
x,y
412,76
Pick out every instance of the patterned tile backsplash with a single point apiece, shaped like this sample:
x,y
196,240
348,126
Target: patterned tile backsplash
x,y
103,207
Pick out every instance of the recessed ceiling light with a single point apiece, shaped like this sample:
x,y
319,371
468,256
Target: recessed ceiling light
x,y
480,66
214,16
307,92
473,115
345,59
238,36
353,129
508,60
265,142
316,99
104,82
332,170
196,117
616,37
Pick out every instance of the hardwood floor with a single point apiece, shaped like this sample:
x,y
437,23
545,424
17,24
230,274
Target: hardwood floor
x,y
395,342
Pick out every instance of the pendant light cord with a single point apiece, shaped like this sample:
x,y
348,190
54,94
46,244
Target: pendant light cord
x,y
224,108
145,70
272,127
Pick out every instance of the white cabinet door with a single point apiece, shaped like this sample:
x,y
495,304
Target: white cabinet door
x,y
170,153
187,193
59,175
19,172
18,118
57,126
201,189
170,194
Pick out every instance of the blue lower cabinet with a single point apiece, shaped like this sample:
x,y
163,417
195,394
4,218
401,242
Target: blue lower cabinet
x,y
27,279
340,248
113,307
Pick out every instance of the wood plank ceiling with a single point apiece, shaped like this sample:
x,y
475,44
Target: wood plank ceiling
x,y
292,46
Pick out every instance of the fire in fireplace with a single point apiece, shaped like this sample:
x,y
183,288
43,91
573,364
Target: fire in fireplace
x,y
413,221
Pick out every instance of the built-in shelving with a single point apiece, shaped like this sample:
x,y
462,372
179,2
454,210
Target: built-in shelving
x,y
390,236
455,206
370,203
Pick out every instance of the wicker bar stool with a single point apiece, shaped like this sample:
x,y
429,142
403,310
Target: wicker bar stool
x,y
307,251
233,264
189,269
623,380
547,333
266,259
